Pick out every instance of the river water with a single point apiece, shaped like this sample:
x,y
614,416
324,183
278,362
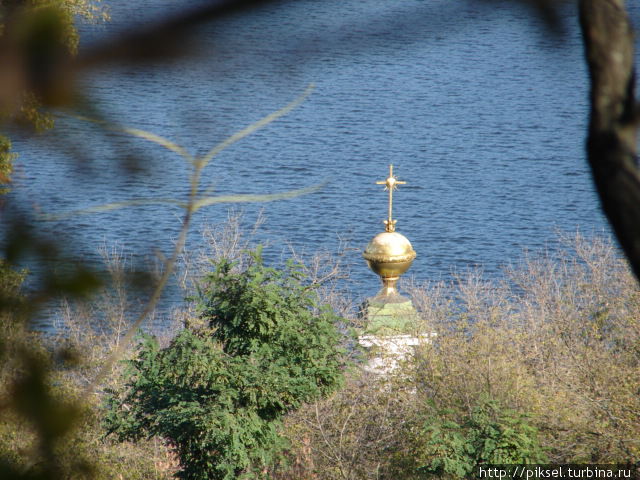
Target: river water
x,y
480,108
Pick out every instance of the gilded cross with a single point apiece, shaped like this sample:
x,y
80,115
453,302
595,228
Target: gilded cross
x,y
391,183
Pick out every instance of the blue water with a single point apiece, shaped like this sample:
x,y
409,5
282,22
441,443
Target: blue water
x,y
480,108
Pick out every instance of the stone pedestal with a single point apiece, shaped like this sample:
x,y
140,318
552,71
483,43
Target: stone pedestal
x,y
385,353
389,335
393,315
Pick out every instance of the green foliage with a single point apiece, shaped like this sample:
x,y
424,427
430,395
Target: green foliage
x,y
39,34
490,434
218,394
43,409
10,282
40,435
6,162
559,341
35,416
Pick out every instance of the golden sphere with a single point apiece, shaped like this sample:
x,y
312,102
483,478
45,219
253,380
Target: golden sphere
x,y
389,254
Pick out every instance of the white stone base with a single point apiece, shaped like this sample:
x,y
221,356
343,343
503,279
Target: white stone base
x,y
386,352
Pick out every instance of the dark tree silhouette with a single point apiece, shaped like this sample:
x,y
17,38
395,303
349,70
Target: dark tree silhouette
x,y
612,140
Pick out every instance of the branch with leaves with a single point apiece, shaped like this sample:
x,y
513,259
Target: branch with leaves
x,y
195,202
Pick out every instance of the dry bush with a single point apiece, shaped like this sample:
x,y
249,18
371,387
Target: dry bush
x,y
329,273
559,340
226,240
66,370
351,435
89,331
94,327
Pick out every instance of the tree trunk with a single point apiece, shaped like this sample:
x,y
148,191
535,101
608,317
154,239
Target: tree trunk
x,y
611,144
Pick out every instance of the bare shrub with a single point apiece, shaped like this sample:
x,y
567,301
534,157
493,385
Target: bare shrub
x,y
329,273
351,435
93,328
221,240
556,341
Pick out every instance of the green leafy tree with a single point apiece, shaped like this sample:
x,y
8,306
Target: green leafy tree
x,y
6,163
490,434
218,392
37,38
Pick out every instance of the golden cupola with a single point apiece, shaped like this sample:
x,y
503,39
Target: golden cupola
x,y
389,254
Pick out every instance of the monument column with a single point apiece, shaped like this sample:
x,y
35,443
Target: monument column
x,y
389,254
390,320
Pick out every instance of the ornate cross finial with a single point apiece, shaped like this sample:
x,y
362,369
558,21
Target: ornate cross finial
x,y
391,183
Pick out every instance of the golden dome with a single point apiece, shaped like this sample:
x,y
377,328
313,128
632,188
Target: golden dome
x,y
389,254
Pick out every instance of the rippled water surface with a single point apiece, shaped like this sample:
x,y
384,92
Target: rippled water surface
x,y
481,110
